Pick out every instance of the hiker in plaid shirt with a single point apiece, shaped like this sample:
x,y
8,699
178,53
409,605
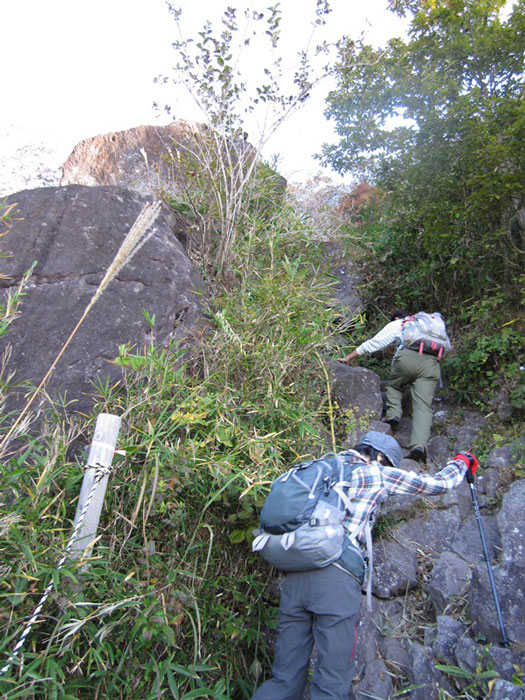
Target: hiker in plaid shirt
x,y
323,605
375,481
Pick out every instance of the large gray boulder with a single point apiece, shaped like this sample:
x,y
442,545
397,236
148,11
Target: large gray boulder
x,y
467,540
424,676
358,390
509,581
431,533
395,569
444,639
376,683
511,523
73,234
499,467
449,580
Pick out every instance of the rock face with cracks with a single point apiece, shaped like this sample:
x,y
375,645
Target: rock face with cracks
x,y
73,234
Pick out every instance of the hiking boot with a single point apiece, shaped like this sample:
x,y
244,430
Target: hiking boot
x,y
392,422
418,454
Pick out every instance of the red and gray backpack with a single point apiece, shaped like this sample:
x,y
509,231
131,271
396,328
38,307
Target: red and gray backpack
x,y
425,333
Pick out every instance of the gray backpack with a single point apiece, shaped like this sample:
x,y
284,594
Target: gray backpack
x,y
425,333
301,521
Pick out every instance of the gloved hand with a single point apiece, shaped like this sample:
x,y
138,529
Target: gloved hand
x,y
470,460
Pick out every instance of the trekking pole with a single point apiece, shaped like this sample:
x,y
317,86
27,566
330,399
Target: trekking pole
x,y
470,480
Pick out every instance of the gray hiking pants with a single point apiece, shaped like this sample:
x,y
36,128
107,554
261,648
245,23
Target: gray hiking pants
x,y
320,606
422,374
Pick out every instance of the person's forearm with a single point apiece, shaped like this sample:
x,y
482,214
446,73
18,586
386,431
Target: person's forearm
x,y
350,357
409,482
386,336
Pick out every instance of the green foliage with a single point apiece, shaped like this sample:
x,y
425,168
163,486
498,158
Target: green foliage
x,y
438,123
173,602
9,308
492,356
211,67
455,83
474,685
222,188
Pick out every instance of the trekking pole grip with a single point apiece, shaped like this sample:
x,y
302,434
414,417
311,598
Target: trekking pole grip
x,y
471,462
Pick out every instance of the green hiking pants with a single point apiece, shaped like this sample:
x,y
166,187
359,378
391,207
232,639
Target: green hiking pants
x,y
422,374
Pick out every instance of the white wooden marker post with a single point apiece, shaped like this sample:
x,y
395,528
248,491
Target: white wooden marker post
x,y
100,454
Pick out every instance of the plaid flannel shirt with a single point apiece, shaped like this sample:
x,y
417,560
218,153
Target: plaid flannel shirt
x,y
372,483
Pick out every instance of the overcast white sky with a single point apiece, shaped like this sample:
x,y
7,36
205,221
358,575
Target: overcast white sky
x,y
72,69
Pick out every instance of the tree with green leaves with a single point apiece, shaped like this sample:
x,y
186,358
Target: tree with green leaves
x,y
437,120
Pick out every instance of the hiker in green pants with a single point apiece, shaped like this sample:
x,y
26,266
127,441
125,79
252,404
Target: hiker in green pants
x,y
422,374
416,367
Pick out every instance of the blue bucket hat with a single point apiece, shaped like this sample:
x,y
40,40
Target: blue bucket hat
x,y
386,444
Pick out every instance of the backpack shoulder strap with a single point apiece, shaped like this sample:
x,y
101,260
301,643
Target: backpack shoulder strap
x,y
370,552
340,486
364,528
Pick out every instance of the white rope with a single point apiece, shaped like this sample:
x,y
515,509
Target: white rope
x,y
101,472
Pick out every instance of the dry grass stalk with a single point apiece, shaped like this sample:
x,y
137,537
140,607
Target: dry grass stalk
x,y
131,244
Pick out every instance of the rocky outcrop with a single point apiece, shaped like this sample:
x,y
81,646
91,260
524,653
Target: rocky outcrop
x,y
153,159
165,161
73,234
357,390
145,159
